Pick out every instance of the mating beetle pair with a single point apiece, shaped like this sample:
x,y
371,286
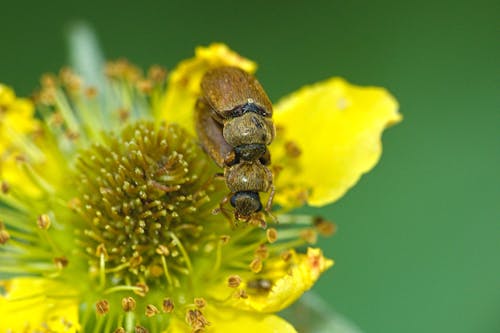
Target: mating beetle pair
x,y
234,125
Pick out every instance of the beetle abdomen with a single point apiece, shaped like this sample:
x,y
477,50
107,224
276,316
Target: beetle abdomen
x,y
247,177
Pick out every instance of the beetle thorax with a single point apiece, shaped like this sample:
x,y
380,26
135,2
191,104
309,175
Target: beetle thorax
x,y
250,128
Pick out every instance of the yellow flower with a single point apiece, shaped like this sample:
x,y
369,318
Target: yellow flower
x,y
329,133
122,235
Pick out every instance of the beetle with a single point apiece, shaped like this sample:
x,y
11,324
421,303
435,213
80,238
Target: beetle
x,y
234,124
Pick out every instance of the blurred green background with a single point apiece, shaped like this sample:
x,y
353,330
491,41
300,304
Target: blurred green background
x,y
418,244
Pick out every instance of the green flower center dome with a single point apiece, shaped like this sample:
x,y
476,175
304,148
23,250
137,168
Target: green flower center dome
x,y
144,201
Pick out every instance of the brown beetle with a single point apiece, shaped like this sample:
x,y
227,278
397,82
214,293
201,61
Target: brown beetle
x,y
234,124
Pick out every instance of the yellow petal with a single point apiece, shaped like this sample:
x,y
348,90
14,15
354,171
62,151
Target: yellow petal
x,y
184,82
245,322
16,119
290,281
7,96
335,128
13,174
37,305
17,123
224,320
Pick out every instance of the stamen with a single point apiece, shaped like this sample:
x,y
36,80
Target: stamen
x,y
256,265
103,255
157,74
141,289
200,302
196,320
66,111
295,219
262,252
102,307
167,305
90,92
145,86
234,281
292,149
5,187
309,235
163,251
324,227
128,304
43,222
35,177
225,239
26,145
140,329
241,293
182,249
218,256
272,235
61,262
286,255
279,247
4,236
151,310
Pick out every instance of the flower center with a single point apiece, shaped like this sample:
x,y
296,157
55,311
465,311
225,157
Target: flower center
x,y
144,198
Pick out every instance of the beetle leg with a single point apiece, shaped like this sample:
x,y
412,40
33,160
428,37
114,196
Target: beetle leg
x,y
257,219
223,210
231,158
269,203
265,159
271,198
210,134
219,176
